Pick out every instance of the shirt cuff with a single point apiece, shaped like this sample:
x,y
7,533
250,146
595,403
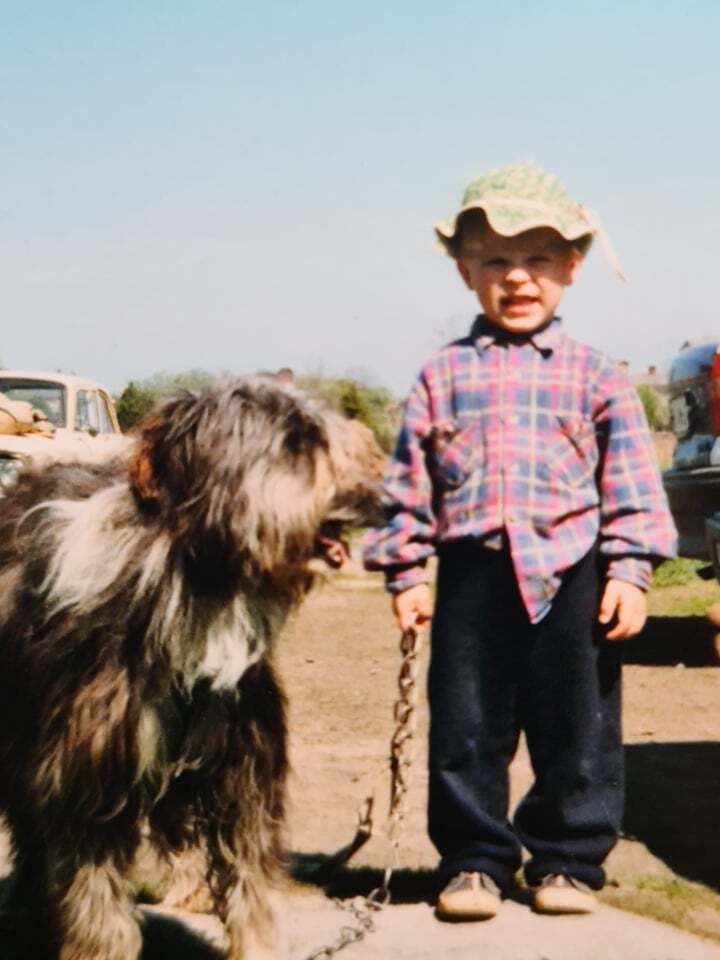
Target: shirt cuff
x,y
635,570
398,579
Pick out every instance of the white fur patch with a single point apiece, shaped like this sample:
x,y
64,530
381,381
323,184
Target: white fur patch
x,y
228,651
95,546
148,738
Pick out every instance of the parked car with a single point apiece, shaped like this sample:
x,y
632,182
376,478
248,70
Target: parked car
x,y
693,482
84,425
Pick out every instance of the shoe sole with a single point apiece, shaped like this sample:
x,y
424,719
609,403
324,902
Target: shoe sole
x,y
463,916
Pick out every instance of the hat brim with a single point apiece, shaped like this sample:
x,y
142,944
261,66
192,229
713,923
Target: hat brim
x,y
509,218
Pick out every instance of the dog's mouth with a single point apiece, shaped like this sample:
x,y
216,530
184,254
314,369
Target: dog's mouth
x,y
330,545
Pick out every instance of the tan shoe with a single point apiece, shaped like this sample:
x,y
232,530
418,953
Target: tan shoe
x,y
469,896
560,894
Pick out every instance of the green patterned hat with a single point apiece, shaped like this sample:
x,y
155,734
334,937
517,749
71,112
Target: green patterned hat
x,y
518,198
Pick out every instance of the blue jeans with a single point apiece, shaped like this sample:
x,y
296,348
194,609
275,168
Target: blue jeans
x,y
493,674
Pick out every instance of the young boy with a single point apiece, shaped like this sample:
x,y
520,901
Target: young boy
x,y
525,461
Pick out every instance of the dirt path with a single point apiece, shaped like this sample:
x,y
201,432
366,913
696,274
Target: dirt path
x,y
410,932
339,661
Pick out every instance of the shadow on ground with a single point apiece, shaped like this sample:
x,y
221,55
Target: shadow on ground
x,y
25,937
671,640
406,886
672,805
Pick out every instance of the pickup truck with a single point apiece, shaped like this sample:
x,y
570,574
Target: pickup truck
x,y
693,482
80,415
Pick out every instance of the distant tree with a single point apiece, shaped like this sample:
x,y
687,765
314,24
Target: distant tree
x,y
140,396
376,407
166,385
656,409
133,404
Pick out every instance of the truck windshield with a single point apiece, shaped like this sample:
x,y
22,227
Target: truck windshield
x,y
47,396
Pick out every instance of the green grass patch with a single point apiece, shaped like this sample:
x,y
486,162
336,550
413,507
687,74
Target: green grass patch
x,y
683,600
674,900
676,572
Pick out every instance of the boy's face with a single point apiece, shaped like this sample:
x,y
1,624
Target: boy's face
x,y
518,280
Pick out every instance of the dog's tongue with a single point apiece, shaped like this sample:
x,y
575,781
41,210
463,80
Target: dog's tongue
x,y
335,551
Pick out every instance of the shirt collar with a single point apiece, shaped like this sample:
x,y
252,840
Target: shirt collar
x,y
484,333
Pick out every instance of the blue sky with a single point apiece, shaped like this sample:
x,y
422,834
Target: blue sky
x,y
249,185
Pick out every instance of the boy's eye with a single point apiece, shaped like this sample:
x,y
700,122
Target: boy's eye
x,y
495,262
538,258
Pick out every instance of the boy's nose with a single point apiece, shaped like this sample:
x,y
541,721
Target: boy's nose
x,y
517,274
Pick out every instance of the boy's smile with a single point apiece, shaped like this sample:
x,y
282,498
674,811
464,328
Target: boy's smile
x,y
518,280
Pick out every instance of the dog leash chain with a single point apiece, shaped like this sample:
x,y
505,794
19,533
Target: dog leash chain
x,y
364,909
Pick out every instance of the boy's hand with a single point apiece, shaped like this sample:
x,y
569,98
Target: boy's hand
x,y
625,602
412,607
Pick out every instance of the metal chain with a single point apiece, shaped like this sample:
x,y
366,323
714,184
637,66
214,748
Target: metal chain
x,y
402,752
362,910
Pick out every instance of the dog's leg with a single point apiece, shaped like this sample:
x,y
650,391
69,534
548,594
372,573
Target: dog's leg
x,y
243,817
95,917
189,889
244,878
255,922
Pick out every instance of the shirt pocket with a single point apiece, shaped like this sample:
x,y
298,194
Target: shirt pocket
x,y
573,454
455,452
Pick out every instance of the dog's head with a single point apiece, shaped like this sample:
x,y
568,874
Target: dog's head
x,y
244,475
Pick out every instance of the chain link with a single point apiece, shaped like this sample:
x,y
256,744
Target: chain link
x,y
402,752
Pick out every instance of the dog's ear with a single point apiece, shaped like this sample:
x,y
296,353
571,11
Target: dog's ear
x,y
141,466
163,467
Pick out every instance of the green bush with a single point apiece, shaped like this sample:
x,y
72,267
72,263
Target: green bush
x,y
656,409
376,407
672,573
140,396
133,405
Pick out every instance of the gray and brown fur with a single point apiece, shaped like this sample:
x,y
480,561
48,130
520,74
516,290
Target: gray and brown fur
x,y
139,603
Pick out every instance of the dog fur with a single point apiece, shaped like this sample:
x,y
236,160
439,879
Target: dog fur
x,y
139,602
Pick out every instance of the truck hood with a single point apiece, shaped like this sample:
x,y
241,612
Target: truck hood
x,y
65,446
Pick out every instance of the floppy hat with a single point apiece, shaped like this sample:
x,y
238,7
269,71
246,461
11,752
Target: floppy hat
x,y
523,197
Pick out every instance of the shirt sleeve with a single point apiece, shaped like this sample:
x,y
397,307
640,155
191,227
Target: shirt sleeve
x,y
636,527
402,546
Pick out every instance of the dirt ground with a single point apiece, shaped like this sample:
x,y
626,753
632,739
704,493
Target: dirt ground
x,y
339,660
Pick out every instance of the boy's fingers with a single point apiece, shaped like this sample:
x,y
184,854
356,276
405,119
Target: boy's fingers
x,y
623,619
408,620
630,621
608,604
637,623
619,632
413,608
415,619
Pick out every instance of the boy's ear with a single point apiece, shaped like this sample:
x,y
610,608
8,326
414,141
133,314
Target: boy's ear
x,y
464,273
575,261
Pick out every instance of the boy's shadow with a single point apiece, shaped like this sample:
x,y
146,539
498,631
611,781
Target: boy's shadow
x,y
673,788
406,886
672,805
666,641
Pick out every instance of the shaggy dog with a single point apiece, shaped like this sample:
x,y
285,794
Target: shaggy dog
x,y
139,602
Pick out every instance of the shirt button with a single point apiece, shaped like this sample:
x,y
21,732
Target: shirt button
x,y
510,517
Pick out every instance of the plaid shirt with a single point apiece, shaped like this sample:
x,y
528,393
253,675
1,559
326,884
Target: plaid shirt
x,y
540,441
